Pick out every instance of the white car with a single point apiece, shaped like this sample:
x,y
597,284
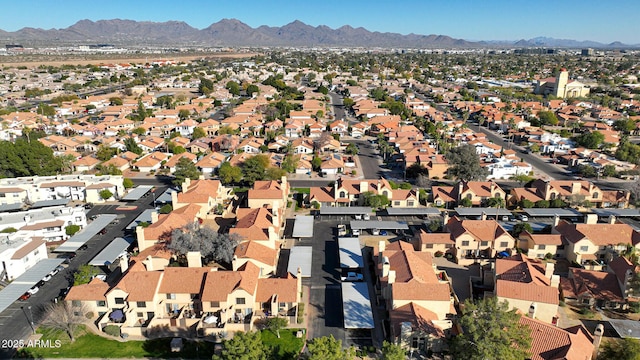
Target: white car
x,y
366,217
33,290
358,217
355,232
375,232
352,276
47,277
523,217
342,230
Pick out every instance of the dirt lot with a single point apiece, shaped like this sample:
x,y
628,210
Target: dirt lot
x,y
58,60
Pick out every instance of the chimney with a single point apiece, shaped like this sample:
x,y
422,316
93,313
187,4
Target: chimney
x,y
154,217
591,219
142,243
460,188
386,267
556,220
185,184
484,216
364,186
555,281
612,219
148,262
298,283
124,263
548,270
194,259
392,277
575,187
547,189
597,338
382,246
445,220
174,199
532,310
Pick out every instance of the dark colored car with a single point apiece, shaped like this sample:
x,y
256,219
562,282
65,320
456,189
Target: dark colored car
x,y
24,296
83,247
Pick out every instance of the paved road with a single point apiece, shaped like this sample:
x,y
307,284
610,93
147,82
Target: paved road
x,y
13,321
325,297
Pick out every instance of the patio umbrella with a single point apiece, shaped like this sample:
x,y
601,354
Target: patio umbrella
x,y
116,315
211,319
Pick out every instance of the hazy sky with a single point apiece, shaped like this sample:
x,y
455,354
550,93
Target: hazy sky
x,y
599,20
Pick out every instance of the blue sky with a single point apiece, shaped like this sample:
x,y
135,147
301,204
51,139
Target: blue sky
x,y
598,20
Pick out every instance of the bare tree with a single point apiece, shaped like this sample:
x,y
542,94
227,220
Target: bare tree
x,y
210,244
66,316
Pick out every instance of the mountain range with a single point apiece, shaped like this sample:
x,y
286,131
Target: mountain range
x,y
232,32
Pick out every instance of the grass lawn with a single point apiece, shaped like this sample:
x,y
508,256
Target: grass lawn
x,y
285,348
301,190
90,345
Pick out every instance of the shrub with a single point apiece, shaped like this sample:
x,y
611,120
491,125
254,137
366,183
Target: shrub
x,y
634,307
112,330
71,229
165,209
300,318
353,172
89,315
438,253
548,256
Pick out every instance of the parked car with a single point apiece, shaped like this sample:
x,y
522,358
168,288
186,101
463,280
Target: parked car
x,y
358,217
83,247
103,231
47,277
24,296
355,232
88,205
523,217
342,230
505,218
383,232
375,232
352,276
34,290
366,217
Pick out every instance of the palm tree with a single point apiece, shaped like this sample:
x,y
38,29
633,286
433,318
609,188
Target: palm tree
x,y
630,253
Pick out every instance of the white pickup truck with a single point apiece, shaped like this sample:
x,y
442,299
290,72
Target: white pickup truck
x,y
352,276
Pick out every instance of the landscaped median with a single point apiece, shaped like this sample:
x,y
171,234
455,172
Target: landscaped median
x,y
90,345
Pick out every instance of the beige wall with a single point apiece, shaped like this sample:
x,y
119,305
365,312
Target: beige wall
x,y
544,311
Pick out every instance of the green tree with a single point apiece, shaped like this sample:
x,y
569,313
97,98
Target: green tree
x,y
466,202
316,163
198,133
243,346
274,173
254,168
435,225
375,200
229,174
252,89
526,204
183,114
490,331
591,140
328,348
132,146
233,88
290,163
276,323
105,194
391,351
206,86
465,164
609,170
620,349
84,274
587,170
105,153
542,204
165,209
139,131
557,203
625,125
547,118
127,183
185,168
495,202
520,227
27,158
71,229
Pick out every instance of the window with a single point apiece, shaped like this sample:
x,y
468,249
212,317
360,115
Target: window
x,y
484,243
497,196
396,203
195,296
141,304
282,305
140,315
101,303
343,194
240,301
385,193
504,244
429,246
541,247
171,296
553,196
119,301
410,203
465,243
584,248
78,219
560,247
76,303
215,304
36,252
448,246
469,196
595,195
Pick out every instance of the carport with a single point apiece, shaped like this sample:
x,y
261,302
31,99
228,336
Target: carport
x,y
145,216
26,281
489,211
137,192
350,253
303,226
300,258
356,306
345,210
552,212
626,328
617,212
111,252
48,203
419,211
79,239
380,225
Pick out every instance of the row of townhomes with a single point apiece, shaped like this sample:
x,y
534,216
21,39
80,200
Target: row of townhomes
x,y
154,297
